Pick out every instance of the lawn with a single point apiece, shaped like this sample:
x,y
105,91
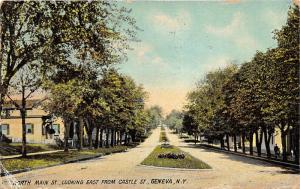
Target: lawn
x,y
56,158
16,148
189,162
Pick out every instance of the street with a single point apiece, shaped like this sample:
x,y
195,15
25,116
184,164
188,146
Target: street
x,y
123,170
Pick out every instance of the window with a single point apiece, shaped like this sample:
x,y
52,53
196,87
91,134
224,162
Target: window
x,y
4,129
56,128
29,128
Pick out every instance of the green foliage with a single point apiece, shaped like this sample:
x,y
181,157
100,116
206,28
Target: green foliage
x,y
174,120
61,37
260,95
125,103
207,102
155,116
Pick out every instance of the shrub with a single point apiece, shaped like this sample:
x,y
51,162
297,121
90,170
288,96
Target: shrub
x,y
172,156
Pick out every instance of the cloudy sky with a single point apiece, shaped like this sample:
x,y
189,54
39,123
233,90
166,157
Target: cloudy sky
x,y
181,41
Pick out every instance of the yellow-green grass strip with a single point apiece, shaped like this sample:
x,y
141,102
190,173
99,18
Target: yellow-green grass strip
x,y
189,162
42,160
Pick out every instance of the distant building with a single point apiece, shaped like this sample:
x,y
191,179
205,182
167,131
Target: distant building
x,y
40,126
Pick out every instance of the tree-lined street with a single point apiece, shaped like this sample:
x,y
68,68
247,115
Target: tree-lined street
x,y
228,171
90,89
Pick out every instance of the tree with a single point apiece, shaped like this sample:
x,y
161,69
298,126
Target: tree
x,y
125,113
207,103
189,124
174,120
283,107
24,84
63,102
155,116
49,34
257,98
23,39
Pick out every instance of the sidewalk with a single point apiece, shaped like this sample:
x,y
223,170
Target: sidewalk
x,y
273,161
31,154
239,152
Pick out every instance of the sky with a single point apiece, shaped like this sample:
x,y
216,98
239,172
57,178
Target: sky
x,y
181,41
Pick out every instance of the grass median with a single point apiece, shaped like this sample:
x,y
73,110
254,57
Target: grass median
x,y
189,162
42,160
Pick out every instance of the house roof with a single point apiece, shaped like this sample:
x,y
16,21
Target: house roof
x,y
30,103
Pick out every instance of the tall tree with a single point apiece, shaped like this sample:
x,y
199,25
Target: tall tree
x,y
24,84
174,120
284,106
50,33
156,117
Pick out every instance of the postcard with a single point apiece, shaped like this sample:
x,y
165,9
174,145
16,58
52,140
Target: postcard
x,y
149,94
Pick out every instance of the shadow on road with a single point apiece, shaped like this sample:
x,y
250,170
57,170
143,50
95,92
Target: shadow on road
x,y
245,160
289,172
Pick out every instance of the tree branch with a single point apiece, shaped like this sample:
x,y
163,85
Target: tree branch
x,y
14,102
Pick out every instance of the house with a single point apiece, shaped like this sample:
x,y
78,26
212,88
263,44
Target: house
x,y
276,139
40,126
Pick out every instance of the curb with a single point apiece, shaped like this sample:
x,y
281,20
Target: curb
x,y
282,164
63,163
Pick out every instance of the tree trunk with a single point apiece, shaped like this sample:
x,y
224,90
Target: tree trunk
x,y
101,138
23,114
267,142
258,138
117,138
112,132
243,141
297,144
80,139
121,135
234,142
1,97
24,148
66,135
227,141
126,137
3,90
133,135
222,142
251,143
97,138
107,135
90,138
89,128
195,136
283,142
